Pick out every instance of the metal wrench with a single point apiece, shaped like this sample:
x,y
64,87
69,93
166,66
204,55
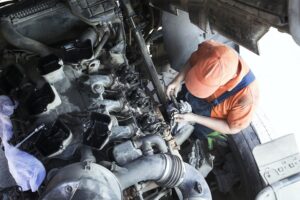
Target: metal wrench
x,y
36,130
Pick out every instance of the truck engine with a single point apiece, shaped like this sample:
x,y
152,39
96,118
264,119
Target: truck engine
x,y
89,103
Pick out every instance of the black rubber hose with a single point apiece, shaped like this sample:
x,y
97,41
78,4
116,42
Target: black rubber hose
x,y
18,40
144,169
183,134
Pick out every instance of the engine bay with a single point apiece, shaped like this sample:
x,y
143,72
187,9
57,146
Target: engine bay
x,y
90,105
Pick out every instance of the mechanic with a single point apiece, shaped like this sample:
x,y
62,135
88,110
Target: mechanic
x,y
220,87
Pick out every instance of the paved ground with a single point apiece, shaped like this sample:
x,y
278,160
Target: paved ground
x,y
6,179
277,71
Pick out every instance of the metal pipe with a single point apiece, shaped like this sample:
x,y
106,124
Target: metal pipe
x,y
122,132
18,40
125,153
148,141
161,194
287,181
101,44
36,130
271,191
112,105
87,154
104,80
183,134
144,51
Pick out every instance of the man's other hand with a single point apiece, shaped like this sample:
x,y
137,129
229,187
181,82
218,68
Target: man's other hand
x,y
187,117
173,88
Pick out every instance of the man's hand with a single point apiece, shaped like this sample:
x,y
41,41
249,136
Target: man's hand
x,y
173,88
219,125
187,117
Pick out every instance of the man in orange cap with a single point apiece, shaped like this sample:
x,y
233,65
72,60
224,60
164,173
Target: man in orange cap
x,y
220,87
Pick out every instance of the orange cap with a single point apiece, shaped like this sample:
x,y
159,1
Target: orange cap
x,y
212,66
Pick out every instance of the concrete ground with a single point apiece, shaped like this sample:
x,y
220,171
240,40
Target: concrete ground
x,y
277,71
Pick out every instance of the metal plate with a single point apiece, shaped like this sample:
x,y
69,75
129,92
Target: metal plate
x,y
278,159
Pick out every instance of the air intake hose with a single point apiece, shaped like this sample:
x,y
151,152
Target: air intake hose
x,y
168,171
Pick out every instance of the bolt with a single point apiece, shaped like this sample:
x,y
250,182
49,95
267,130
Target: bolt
x,y
97,86
86,165
69,189
198,187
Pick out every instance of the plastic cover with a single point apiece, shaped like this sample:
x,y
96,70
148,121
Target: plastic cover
x,y
27,170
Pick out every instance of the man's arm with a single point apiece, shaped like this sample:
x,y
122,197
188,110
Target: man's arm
x,y
181,75
219,125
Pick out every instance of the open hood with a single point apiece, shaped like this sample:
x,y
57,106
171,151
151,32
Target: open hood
x,y
243,21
